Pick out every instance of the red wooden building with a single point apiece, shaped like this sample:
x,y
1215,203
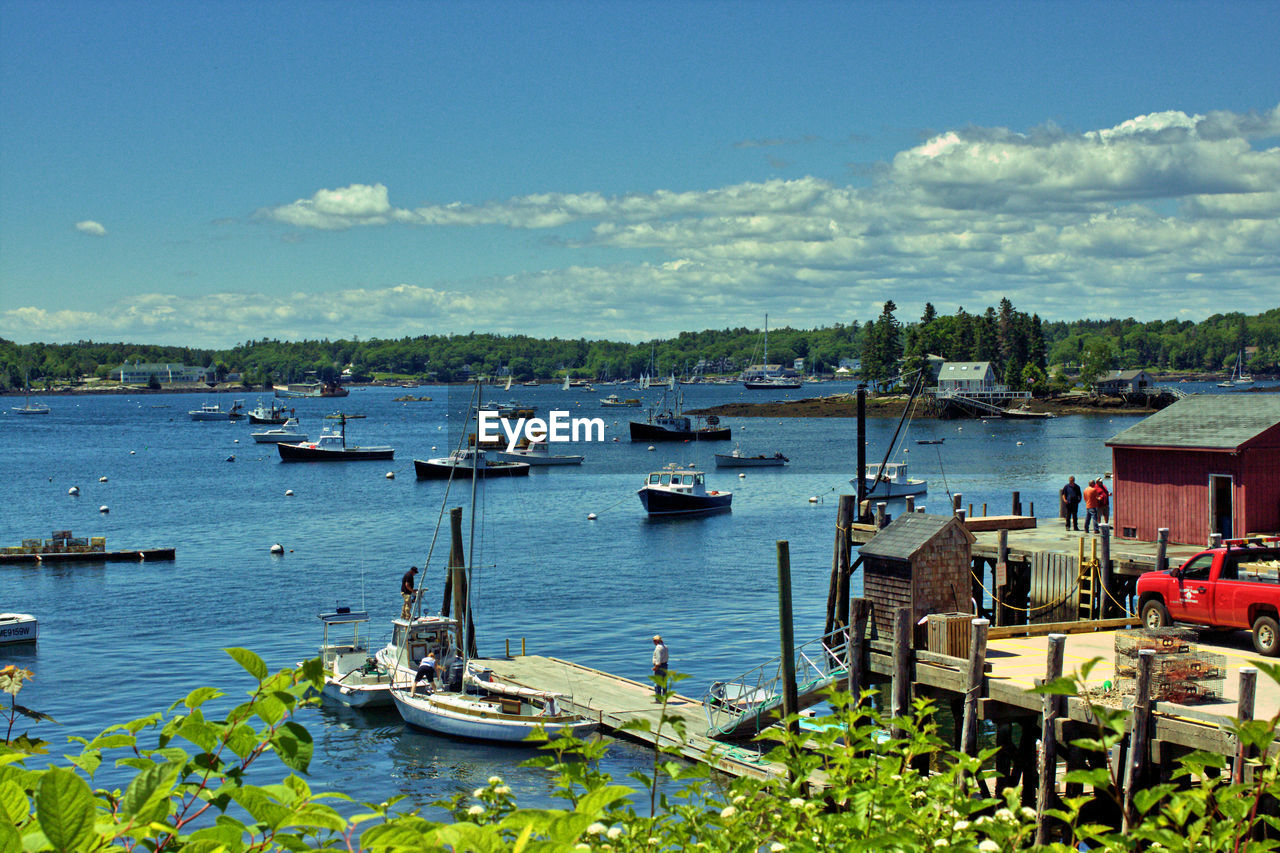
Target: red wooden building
x,y
1207,464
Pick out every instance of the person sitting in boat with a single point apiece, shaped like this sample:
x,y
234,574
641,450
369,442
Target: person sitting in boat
x,y
426,672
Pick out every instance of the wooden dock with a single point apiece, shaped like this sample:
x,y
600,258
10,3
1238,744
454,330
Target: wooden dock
x,y
614,701
135,555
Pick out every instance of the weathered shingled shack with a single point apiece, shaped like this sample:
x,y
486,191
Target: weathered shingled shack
x,y
1209,463
918,561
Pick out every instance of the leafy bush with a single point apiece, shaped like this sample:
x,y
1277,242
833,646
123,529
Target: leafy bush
x,y
189,791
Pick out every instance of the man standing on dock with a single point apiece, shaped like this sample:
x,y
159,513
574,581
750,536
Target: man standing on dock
x,y
659,667
406,591
1091,506
1071,496
1104,502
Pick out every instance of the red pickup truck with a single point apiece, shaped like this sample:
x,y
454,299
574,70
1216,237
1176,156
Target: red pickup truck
x,y
1235,586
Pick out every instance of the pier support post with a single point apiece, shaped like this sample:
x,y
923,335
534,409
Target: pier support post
x,y
1000,579
910,501
973,687
1135,765
880,506
838,591
900,688
790,700
856,659
1244,713
956,501
862,450
1162,549
1108,607
1047,781
1017,504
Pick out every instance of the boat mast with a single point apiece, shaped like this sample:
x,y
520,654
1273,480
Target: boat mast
x,y
471,544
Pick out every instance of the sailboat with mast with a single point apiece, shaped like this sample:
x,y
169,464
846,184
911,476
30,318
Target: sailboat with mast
x,y
30,408
762,378
470,703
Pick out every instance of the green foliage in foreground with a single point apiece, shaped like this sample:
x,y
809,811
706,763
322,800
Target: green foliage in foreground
x,y
190,791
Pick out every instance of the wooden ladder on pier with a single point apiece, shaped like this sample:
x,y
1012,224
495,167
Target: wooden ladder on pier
x,y
1087,591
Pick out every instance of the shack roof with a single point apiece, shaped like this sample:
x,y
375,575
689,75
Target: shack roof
x,y
1122,375
906,535
1206,422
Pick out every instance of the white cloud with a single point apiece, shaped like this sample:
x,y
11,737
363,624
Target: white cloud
x,y
88,226
1165,211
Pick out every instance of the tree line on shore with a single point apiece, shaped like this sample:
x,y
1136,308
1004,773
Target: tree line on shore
x,y
1022,348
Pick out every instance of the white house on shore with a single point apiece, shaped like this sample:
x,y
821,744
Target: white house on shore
x,y
140,373
967,376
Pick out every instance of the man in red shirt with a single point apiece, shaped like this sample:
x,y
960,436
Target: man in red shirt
x,y
1104,501
1091,506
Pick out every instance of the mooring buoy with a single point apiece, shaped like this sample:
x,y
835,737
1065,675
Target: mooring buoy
x,y
288,493
73,491
391,475
104,508
591,516
277,548
102,479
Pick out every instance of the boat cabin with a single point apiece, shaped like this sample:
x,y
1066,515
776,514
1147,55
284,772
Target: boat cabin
x,y
343,655
423,634
680,480
894,472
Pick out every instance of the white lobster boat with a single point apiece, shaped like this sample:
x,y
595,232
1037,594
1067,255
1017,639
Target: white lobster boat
x,y
18,628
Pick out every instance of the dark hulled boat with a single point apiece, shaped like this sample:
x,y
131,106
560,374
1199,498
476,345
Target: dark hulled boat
x,y
681,491
332,446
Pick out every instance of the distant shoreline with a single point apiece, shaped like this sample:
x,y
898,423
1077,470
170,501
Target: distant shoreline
x,y
845,406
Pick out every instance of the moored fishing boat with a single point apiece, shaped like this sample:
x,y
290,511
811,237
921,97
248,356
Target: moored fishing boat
x,y
462,462
209,412
890,480
670,423
274,413
332,446
351,676
613,401
535,453
737,459
286,432
311,389
679,490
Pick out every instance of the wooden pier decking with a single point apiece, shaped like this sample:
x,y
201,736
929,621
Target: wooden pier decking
x,y
615,700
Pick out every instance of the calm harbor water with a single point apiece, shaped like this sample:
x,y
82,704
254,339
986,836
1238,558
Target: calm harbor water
x,y
121,640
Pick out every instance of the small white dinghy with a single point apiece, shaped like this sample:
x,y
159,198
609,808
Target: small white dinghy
x,y
18,628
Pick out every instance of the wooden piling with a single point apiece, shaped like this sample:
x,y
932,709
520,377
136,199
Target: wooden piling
x,y
910,501
1108,607
790,698
838,591
1140,720
856,652
1000,579
880,506
1016,509
1048,764
973,686
1033,510
1162,549
956,501
1244,713
900,687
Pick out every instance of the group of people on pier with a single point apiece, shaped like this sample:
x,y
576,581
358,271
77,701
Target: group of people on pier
x,y
1097,504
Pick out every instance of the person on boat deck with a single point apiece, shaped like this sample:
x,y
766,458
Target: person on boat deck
x,y
426,672
659,666
1071,496
406,591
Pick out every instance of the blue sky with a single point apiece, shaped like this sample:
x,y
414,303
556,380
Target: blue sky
x,y
210,173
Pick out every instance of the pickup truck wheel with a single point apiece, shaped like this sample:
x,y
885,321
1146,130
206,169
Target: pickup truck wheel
x,y
1155,615
1266,636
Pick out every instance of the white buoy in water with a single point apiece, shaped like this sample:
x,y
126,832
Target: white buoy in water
x,y
288,493
651,448
104,508
1019,443
813,499
235,441
73,491
742,476
277,548
133,453
615,438
102,479
591,516
391,475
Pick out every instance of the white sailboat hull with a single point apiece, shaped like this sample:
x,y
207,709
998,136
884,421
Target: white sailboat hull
x,y
358,695
458,715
